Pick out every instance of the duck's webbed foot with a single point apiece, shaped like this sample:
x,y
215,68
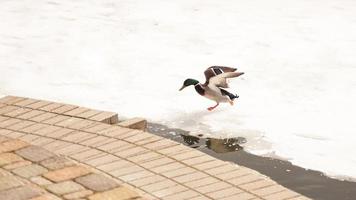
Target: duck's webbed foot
x,y
213,107
230,95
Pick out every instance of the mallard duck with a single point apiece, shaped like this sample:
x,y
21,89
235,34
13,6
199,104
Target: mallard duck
x,y
215,82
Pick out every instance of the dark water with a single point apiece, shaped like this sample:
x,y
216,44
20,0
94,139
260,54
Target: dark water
x,y
310,183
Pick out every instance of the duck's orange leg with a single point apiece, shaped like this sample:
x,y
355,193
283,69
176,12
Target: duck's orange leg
x,y
212,108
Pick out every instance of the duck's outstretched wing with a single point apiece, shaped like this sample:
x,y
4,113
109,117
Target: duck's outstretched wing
x,y
217,75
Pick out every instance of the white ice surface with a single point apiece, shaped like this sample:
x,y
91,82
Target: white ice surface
x,y
297,98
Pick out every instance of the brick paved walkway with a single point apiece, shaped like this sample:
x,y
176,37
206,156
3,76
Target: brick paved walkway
x,y
144,164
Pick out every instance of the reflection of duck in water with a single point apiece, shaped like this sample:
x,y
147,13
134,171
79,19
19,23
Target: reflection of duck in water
x,y
217,145
190,140
212,88
224,145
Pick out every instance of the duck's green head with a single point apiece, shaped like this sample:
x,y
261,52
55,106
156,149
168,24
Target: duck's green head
x,y
188,82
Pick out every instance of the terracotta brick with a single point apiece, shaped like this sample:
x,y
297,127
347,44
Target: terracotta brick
x,y
156,163
71,149
190,177
166,167
51,106
47,129
134,123
224,193
107,141
81,125
212,187
179,172
139,137
182,195
8,182
84,155
60,133
31,129
63,109
160,144
174,150
126,170
240,196
107,158
42,141
106,117
202,182
257,184
268,190
200,197
244,179
239,172
39,180
30,114
119,148
125,153
12,145
56,119
3,118
47,196
15,134
222,169
21,125
77,195
57,162
29,171
38,104
68,121
43,117
114,165
152,139
286,194
97,182
94,140
77,136
77,111
158,186
120,193
29,138
10,99
135,176
34,153
115,131
171,190
148,180
209,164
89,113
188,155
9,158
97,126
65,187
67,173
7,109
25,102
144,157
17,164
9,122
198,160
20,193
55,145
18,112
112,145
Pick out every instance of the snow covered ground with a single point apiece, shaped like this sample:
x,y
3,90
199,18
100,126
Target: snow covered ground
x,y
297,98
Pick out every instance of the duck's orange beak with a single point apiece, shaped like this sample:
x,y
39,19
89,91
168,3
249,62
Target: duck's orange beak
x,y
240,73
182,88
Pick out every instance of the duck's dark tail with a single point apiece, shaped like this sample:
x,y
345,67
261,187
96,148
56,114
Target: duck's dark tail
x,y
231,96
